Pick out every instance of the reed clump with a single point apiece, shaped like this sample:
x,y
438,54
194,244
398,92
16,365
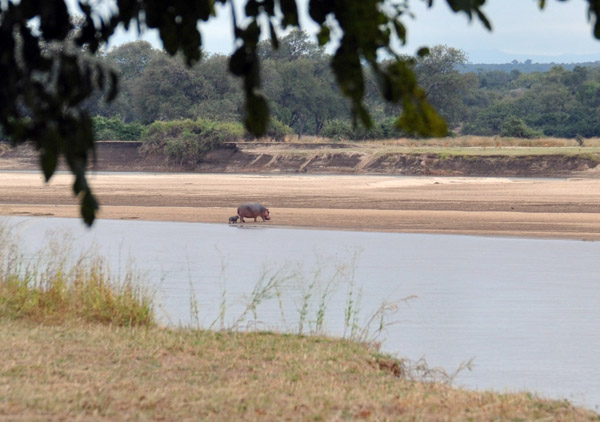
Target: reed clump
x,y
53,288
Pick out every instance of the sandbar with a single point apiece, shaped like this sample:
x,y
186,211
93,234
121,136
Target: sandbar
x,y
546,208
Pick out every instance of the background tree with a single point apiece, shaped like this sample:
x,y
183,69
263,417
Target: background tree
x,y
297,44
166,90
444,85
221,97
558,103
129,61
300,84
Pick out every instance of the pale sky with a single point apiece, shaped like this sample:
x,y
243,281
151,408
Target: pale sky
x,y
559,33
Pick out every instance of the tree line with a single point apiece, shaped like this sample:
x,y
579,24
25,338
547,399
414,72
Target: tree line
x,y
303,94
526,66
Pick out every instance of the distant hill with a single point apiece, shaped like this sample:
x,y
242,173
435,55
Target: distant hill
x,y
526,66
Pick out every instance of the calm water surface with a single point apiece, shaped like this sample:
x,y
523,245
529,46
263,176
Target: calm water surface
x,y
526,311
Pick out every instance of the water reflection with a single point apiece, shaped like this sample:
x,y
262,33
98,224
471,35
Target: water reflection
x,y
525,310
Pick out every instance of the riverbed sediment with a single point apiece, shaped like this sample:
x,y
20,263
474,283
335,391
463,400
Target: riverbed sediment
x,y
552,208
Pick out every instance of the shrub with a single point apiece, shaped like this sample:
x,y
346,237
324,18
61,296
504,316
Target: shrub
x,y
114,129
278,130
188,141
389,130
338,130
184,149
515,127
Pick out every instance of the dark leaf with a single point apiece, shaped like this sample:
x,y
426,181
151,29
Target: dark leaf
x,y
274,40
205,10
422,52
319,9
251,8
400,31
49,161
100,77
54,19
128,10
89,207
348,71
290,13
168,36
87,32
418,116
80,183
324,35
269,7
484,19
31,51
238,63
251,34
594,9
113,86
470,6
257,114
364,116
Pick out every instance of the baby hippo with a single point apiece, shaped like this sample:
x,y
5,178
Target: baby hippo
x,y
233,219
253,211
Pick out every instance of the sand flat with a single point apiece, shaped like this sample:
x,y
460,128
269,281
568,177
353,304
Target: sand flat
x,y
553,208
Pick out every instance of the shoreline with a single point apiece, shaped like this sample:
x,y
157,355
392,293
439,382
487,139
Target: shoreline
x,y
499,207
51,211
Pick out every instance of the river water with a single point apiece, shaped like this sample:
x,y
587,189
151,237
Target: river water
x,y
526,312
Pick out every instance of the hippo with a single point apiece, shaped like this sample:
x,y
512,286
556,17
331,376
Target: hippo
x,y
233,219
253,211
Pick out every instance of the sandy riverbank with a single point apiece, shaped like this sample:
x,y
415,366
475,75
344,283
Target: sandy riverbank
x,y
555,208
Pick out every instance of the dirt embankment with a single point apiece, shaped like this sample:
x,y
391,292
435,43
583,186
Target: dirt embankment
x,y
332,158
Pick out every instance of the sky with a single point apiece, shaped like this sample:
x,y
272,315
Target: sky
x,y
560,33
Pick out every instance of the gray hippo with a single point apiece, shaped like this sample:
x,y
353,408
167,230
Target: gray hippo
x,y
233,219
253,211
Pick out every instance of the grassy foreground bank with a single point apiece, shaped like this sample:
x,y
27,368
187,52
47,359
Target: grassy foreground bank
x,y
75,371
78,344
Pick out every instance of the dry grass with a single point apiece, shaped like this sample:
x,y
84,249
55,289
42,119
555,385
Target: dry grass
x,y
53,288
95,372
460,141
458,146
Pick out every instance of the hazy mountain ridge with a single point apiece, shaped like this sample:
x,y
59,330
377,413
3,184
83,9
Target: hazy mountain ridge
x,y
527,66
